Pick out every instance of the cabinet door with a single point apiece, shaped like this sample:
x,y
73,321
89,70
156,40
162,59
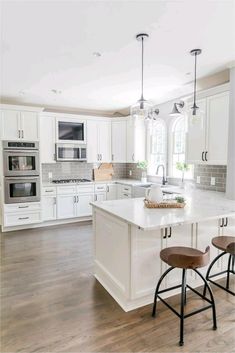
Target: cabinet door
x,y
179,236
135,141
100,196
48,208
111,192
10,125
66,206
47,139
217,128
29,126
92,141
196,137
206,231
119,141
104,141
83,205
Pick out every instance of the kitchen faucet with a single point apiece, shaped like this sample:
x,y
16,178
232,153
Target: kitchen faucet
x,y
164,179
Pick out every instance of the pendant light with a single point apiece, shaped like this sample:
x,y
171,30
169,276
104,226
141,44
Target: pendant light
x,y
143,109
195,112
175,110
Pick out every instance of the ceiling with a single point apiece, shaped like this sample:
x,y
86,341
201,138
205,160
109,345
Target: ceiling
x,y
49,45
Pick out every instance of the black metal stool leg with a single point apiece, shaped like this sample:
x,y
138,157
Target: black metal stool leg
x,y
228,271
233,263
212,298
183,290
157,290
210,267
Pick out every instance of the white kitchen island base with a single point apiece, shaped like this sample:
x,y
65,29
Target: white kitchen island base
x,y
127,258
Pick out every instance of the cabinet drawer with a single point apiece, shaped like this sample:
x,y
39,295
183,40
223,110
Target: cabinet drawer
x,y
85,189
66,190
22,207
100,188
125,195
125,189
13,219
49,191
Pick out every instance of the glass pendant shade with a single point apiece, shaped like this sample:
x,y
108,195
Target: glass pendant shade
x,y
142,109
196,116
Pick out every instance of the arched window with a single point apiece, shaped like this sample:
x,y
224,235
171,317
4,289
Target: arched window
x,y
178,149
157,148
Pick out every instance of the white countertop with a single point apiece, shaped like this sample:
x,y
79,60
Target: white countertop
x,y
200,206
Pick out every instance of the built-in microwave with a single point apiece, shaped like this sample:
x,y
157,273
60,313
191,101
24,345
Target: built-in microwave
x,y
71,152
20,158
71,131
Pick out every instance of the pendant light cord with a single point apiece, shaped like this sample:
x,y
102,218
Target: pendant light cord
x,y
142,70
195,79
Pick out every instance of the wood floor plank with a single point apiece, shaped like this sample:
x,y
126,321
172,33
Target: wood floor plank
x,y
50,302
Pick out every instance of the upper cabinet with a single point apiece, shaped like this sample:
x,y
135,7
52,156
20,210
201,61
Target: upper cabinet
x,y
98,141
19,124
47,139
119,141
135,141
207,142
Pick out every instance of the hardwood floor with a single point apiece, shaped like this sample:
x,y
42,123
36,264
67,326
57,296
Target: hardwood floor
x,y
52,303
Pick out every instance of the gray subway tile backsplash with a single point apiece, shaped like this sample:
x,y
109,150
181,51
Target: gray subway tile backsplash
x,y
121,170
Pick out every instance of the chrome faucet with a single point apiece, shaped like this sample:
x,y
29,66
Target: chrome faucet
x,y
164,179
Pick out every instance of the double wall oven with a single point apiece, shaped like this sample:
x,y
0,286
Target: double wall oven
x,y
21,171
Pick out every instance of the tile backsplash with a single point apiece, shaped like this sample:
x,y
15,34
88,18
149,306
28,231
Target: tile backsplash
x,y
206,172
121,170
66,170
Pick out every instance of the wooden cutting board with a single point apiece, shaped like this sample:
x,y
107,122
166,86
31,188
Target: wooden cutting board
x,y
104,172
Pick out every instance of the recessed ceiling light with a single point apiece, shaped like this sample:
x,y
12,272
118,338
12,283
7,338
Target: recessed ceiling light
x,y
97,54
56,91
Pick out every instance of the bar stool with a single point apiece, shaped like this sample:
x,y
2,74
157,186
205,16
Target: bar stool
x,y
227,245
185,258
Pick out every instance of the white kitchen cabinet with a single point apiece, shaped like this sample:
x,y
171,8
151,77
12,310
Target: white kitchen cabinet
x,y
48,208
47,139
83,205
229,230
217,128
207,142
66,206
119,141
29,126
10,125
19,125
111,193
101,196
98,141
196,136
124,191
135,140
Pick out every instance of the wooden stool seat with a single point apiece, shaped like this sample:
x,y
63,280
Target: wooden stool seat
x,y
225,243
184,257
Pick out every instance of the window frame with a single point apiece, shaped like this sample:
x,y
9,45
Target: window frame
x,y
149,145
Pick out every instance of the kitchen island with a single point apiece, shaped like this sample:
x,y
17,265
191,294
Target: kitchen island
x,y
129,237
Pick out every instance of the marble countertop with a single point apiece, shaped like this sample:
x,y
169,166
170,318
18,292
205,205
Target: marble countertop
x,y
200,206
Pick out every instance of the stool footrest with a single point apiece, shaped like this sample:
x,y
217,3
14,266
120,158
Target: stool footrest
x,y
200,295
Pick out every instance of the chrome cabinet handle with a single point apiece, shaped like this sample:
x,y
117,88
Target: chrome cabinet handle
x,y
23,206
54,200
203,156
125,194
101,157
107,188
133,157
77,199
95,197
22,134
206,156
23,218
112,157
19,133
98,157
74,199
49,190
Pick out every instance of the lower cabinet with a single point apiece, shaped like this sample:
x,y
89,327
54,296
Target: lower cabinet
x,y
20,214
101,196
111,193
66,206
48,208
83,205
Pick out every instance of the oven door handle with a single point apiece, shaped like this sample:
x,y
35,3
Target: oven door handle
x,y
22,178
